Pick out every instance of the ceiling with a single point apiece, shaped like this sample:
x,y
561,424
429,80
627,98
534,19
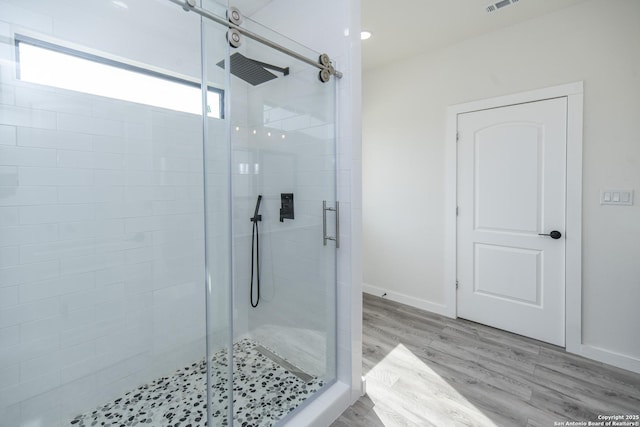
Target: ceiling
x,y
404,28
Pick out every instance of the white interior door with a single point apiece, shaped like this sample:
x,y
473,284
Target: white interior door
x,y
511,189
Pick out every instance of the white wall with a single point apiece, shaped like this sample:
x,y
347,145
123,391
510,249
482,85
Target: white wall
x,y
404,119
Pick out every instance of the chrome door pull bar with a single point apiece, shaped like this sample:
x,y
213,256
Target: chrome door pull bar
x,y
325,237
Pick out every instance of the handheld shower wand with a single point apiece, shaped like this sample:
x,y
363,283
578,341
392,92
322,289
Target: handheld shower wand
x,y
257,217
255,249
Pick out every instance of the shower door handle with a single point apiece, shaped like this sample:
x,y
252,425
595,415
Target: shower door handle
x,y
325,237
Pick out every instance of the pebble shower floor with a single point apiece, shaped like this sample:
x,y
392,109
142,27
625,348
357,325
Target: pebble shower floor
x,y
264,392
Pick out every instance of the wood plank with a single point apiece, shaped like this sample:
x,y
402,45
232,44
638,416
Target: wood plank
x,y
497,336
595,396
557,404
476,348
472,369
571,365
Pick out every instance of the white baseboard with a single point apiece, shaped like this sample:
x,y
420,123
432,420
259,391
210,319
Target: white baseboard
x,y
610,358
408,300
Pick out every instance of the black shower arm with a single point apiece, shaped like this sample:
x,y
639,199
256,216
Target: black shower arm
x,y
284,71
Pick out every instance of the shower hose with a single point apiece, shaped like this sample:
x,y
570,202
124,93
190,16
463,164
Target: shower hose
x,y
255,249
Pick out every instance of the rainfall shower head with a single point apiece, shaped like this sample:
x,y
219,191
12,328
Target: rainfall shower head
x,y
252,71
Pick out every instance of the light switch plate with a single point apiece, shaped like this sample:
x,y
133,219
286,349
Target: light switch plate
x,y
616,197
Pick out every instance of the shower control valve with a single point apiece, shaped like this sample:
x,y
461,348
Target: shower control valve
x,y
286,209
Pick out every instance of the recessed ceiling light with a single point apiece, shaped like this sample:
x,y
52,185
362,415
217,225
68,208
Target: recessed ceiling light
x,y
365,35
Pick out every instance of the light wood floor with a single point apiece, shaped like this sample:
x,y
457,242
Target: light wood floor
x,y
427,370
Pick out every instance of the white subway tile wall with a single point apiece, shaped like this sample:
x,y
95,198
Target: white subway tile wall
x,y
101,243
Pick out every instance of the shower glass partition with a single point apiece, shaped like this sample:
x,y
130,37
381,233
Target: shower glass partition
x,y
102,242
282,127
126,189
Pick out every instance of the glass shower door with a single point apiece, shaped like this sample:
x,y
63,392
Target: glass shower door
x,y
283,170
121,217
102,214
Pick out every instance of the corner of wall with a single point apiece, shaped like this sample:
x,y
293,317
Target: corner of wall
x,y
412,301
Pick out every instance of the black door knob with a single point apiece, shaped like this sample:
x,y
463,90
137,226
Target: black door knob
x,y
555,234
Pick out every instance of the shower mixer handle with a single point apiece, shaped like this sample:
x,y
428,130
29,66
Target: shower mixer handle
x,y
286,203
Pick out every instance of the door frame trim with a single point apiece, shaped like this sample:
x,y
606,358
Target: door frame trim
x,y
573,231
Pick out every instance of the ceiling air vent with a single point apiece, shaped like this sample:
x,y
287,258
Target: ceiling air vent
x,y
499,5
